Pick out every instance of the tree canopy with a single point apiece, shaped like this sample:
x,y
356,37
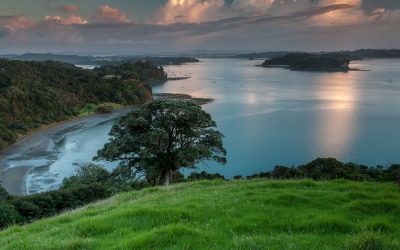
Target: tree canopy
x,y
162,137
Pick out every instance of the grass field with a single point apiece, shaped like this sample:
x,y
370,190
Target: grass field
x,y
256,214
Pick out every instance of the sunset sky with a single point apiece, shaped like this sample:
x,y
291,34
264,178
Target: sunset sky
x,y
168,26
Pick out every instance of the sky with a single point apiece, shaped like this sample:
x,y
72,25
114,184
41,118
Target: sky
x,y
181,26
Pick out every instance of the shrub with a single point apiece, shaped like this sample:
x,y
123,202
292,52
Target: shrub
x,y
26,209
86,175
8,215
204,176
104,109
3,194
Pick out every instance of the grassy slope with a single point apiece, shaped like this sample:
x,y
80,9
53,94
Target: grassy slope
x,y
256,214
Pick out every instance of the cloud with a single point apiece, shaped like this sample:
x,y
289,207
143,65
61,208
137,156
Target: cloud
x,y
197,11
371,6
73,19
16,22
189,11
69,8
204,24
107,14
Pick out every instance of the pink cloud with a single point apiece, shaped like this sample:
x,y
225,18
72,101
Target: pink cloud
x,y
69,8
13,23
107,14
73,19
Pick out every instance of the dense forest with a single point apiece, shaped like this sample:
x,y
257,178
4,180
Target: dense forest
x,y
312,62
37,93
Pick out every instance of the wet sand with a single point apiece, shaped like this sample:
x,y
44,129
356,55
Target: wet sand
x,y
39,150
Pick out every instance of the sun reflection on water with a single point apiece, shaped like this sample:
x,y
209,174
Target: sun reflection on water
x,y
337,121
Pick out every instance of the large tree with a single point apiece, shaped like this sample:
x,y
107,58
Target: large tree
x,y
162,137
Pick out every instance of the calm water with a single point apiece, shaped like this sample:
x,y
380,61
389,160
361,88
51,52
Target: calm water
x,y
276,116
271,117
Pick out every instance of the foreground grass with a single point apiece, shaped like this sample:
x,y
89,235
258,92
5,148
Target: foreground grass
x,y
257,214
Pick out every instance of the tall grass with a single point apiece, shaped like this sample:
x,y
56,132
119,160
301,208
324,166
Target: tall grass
x,y
256,214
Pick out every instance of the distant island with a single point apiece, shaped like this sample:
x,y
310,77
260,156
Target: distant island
x,y
101,60
334,62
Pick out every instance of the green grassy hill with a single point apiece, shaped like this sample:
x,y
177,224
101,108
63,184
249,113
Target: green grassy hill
x,y
257,214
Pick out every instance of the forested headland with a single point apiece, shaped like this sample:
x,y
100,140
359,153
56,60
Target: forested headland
x,y
33,94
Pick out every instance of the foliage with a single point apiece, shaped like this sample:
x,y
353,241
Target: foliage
x,y
330,169
204,176
26,209
245,214
118,180
142,71
38,93
3,194
86,175
100,60
8,215
162,137
104,109
308,61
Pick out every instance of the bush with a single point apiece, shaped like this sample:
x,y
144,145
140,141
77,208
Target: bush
x,y
3,194
86,175
204,176
48,204
8,215
26,209
104,109
331,169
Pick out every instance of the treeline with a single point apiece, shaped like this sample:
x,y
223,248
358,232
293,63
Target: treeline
x,y
26,209
309,61
142,71
101,60
322,169
353,55
37,93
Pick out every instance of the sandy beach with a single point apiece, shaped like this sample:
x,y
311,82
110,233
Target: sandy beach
x,y
39,149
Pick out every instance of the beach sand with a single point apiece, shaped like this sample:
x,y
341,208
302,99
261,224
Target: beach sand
x,y
14,178
38,149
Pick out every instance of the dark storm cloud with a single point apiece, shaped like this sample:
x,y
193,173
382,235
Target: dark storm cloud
x,y
370,5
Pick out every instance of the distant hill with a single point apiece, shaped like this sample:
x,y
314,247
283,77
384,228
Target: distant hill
x,y
100,60
255,214
353,55
37,93
310,62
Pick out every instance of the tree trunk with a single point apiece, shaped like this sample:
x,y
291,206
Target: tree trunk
x,y
166,177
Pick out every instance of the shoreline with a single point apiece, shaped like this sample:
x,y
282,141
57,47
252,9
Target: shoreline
x,y
39,145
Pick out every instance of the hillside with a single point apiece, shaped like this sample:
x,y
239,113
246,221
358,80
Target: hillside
x,y
101,60
257,214
37,93
353,55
